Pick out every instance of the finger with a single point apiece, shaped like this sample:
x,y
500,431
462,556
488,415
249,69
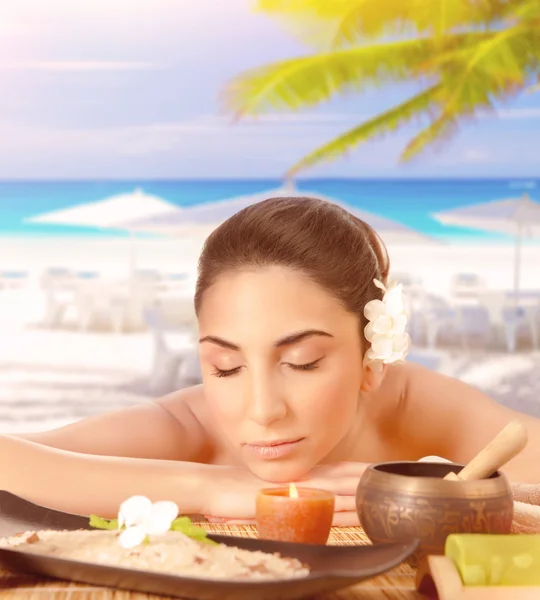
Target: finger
x,y
345,504
346,519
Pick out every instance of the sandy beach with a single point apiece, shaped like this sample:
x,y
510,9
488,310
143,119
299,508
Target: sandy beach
x,y
52,378
434,265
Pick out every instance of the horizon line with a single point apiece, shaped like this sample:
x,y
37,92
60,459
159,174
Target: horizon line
x,y
524,178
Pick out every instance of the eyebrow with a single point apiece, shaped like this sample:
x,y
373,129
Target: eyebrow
x,y
289,340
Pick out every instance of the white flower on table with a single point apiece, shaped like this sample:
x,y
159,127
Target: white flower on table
x,y
142,518
387,321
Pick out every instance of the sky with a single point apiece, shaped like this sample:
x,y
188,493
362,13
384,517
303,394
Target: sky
x,y
123,89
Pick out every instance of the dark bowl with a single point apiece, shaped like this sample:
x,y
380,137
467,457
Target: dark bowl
x,y
398,501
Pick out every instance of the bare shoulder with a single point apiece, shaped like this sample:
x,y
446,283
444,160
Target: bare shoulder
x,y
390,408
190,411
168,428
188,408
441,415
185,406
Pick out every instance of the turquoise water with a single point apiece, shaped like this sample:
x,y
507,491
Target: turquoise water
x,y
407,201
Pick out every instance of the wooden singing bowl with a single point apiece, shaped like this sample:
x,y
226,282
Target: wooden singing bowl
x,y
399,501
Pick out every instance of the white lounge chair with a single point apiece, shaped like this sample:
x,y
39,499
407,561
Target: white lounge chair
x,y
473,323
519,319
466,287
176,360
439,317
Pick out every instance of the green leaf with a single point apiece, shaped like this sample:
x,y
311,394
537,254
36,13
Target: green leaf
x,y
475,70
181,524
444,125
185,526
99,523
386,122
309,80
523,11
351,21
493,69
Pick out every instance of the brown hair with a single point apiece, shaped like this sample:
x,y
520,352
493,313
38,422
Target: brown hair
x,y
317,238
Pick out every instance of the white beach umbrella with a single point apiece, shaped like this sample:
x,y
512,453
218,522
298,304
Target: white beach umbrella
x,y
518,217
203,218
111,213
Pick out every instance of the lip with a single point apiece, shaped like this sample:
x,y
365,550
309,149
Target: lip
x,y
273,450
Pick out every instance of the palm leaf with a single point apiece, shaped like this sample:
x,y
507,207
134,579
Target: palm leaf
x,y
508,59
345,20
422,103
494,70
442,127
310,80
523,11
498,57
349,21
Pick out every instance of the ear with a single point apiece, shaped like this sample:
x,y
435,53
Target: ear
x,y
373,376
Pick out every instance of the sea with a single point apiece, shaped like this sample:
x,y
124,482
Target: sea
x,y
409,201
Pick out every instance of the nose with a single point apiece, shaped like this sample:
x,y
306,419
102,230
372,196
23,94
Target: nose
x,y
266,403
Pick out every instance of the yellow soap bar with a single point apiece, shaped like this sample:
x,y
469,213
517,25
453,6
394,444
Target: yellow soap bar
x,y
486,560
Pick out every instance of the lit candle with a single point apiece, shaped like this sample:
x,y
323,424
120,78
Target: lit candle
x,y
302,515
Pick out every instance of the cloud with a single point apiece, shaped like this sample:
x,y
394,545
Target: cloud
x,y
210,131
519,113
77,66
17,29
478,156
204,146
212,145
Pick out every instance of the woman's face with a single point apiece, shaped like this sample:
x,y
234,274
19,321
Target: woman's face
x,y
282,369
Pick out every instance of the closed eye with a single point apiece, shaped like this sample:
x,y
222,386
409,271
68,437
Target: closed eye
x,y
307,367
221,373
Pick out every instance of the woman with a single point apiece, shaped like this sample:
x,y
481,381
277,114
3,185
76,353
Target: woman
x,y
292,388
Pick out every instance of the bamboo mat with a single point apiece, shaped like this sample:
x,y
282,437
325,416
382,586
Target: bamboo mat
x,y
397,584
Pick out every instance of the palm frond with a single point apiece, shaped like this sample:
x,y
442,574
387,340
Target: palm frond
x,y
480,52
310,80
346,21
349,21
422,103
442,127
495,67
523,11
492,71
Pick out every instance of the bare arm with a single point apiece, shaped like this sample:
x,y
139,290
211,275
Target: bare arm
x,y
92,465
462,420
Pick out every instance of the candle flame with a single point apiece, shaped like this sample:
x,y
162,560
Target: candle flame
x,y
293,492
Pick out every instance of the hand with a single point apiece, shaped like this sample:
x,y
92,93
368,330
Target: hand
x,y
342,479
233,501
232,497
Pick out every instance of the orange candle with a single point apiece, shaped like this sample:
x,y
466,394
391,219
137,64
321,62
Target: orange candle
x,y
302,515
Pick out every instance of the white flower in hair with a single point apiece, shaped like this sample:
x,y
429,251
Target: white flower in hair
x,y
142,518
386,328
